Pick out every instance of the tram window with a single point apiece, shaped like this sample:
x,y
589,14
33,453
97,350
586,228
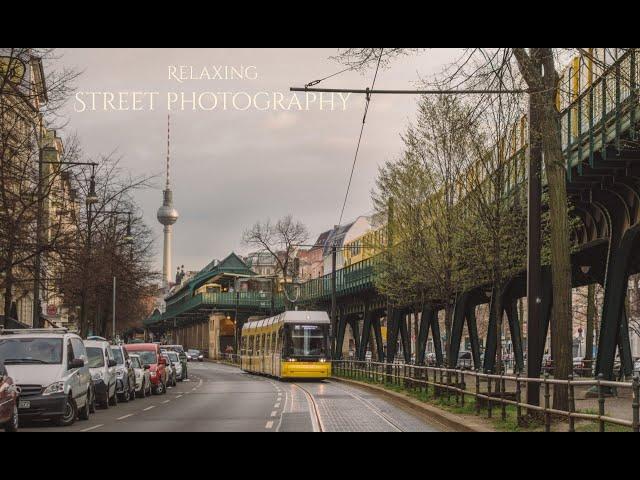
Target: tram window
x,y
273,342
307,340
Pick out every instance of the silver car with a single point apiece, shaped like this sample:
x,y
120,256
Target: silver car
x,y
171,371
51,371
103,372
177,365
143,377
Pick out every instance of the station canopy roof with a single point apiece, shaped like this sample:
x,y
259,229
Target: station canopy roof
x,y
232,266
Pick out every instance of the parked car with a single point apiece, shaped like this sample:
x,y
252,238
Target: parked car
x,y
125,376
195,355
150,355
465,360
50,369
172,375
103,372
143,379
177,365
636,366
179,349
8,402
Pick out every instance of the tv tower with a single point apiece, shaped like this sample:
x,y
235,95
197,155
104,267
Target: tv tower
x,y
167,216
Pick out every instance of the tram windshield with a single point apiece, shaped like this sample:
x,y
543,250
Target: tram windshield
x,y
307,340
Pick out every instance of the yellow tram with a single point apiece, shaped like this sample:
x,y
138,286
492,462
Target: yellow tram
x,y
294,344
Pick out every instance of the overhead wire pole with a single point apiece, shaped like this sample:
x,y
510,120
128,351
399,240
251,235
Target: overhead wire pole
x,y
334,251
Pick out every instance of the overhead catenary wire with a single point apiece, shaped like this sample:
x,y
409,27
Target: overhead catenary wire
x,y
364,121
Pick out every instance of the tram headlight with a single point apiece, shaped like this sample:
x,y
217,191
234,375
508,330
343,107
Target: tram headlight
x,y
291,360
323,360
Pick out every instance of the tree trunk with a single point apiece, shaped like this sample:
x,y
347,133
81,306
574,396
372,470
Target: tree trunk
x,y
539,71
561,320
498,312
448,322
8,297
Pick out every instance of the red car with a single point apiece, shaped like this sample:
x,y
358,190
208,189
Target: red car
x,y
8,402
150,355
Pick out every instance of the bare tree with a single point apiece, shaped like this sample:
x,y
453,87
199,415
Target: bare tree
x,y
281,240
102,251
537,69
30,101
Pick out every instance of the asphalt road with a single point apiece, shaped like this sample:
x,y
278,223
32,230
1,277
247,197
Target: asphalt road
x,y
219,398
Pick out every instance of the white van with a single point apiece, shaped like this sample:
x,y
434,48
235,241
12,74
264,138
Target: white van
x,y
50,369
103,372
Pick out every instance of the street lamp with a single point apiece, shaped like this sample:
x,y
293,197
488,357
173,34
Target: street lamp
x,y
128,238
92,196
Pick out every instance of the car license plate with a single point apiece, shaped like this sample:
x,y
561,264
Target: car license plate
x,y
23,404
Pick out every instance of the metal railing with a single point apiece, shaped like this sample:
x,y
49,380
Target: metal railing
x,y
501,391
228,359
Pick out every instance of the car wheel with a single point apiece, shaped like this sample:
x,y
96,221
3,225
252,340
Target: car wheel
x,y
92,403
83,413
160,389
126,396
12,425
70,414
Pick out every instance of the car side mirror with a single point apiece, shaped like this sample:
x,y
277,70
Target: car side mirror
x,y
112,363
147,367
76,363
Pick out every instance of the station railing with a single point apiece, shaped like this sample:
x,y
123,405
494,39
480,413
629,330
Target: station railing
x,y
500,391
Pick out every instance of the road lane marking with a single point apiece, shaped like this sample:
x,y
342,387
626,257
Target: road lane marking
x,y
179,396
166,401
274,413
277,405
126,416
92,428
149,408
269,425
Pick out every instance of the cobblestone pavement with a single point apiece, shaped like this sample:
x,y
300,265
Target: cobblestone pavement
x,y
342,408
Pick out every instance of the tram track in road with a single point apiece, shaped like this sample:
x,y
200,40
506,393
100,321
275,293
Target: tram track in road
x,y
375,410
314,410
317,418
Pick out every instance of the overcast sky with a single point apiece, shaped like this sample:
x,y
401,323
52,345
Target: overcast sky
x,y
231,168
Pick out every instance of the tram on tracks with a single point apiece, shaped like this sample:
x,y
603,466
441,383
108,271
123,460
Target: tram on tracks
x,y
294,344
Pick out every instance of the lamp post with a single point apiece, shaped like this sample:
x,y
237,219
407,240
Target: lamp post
x,y
128,240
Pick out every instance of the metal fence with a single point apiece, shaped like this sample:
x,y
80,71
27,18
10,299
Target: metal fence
x,y
228,359
500,392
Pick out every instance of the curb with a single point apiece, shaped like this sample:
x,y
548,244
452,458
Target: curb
x,y
451,421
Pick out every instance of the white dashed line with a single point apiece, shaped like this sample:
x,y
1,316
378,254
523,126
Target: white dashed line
x,y
269,425
274,413
179,396
277,405
149,408
126,416
92,428
166,401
